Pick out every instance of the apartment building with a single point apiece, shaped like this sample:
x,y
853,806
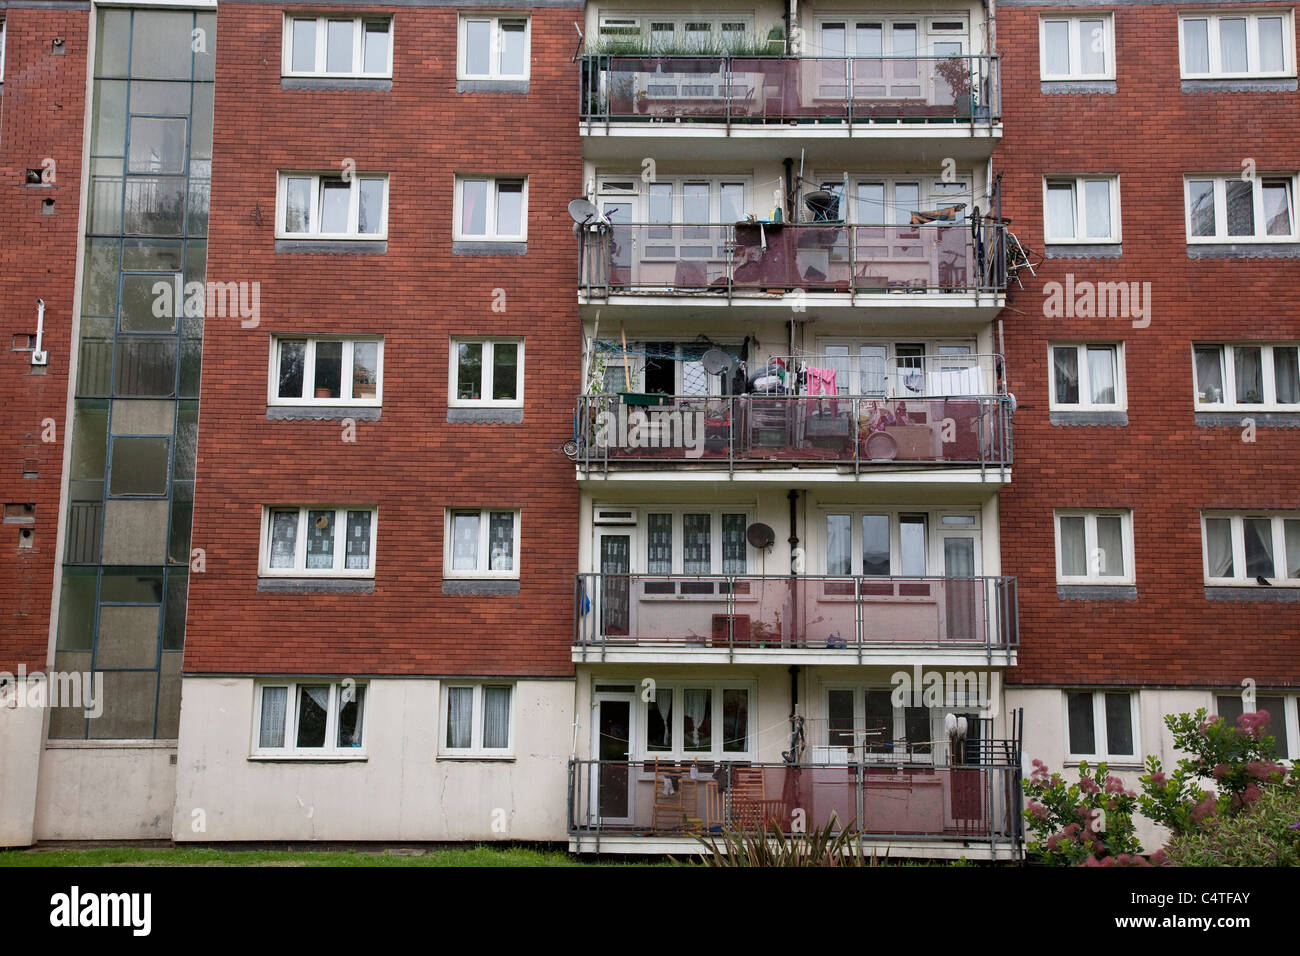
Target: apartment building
x,y
608,413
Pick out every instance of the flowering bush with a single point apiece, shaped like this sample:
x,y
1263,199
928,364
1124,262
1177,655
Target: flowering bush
x,y
1084,823
1264,833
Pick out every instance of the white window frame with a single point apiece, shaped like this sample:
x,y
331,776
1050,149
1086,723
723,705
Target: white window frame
x,y
308,397
1220,181
483,572
1090,546
1252,18
638,24
1077,190
300,569
1085,383
1075,20
926,34
934,527
1228,370
641,537
476,749
291,750
932,193
358,47
494,46
677,716
489,344
490,214
1242,578
354,206
938,748
1099,734
2,52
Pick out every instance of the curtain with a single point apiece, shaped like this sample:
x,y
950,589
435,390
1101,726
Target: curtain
x,y
1074,560
284,538
501,540
464,546
733,544
1110,542
1292,549
1101,373
697,704
1218,545
1066,366
313,707
1250,385
659,544
496,718
460,709
1209,375
838,560
1259,546
358,540
1286,375
274,700
697,557
320,539
659,734
350,717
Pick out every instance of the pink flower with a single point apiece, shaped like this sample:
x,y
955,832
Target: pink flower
x,y
1158,778
1159,858
1204,810
1040,774
1088,785
1263,769
1037,811
1253,724
1114,785
1220,771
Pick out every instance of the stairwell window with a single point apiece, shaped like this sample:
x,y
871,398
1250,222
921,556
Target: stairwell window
x,y
1087,377
1247,377
326,372
493,48
1236,44
1076,48
1081,209
1251,550
1229,209
478,720
1101,725
481,543
1094,547
487,373
491,209
318,541
342,47
330,206
309,719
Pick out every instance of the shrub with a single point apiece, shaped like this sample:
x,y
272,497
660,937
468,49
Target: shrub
x,y
1078,823
774,848
1265,833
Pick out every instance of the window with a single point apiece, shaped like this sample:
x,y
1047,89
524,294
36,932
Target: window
x,y
490,209
886,543
493,48
1094,547
309,719
326,371
318,541
487,372
1239,549
1247,377
338,47
1282,712
1259,208
1101,724
698,720
1087,377
864,723
481,544
1076,48
693,542
1081,209
1236,44
679,33
479,719
328,206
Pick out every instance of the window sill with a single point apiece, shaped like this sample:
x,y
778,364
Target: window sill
x,y
474,758
491,86
1234,419
320,585
480,586
381,84
307,758
461,415
475,247
361,413
1111,418
1275,84
1050,87
1124,763
1243,250
1278,594
1096,592
374,247
1084,250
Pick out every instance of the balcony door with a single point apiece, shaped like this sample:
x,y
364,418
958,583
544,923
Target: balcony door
x,y
612,744
963,597
614,605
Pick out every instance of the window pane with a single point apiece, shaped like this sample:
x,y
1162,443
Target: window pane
x,y
1232,45
879,726
496,718
469,370
303,52
157,145
840,718
351,711
1259,546
1196,46
460,715
365,369
916,727
1218,548
1292,534
1101,375
1277,207
1209,375
875,545
697,719
659,721
510,209
464,541
1110,542
734,555
505,371
297,205
1074,562
478,47
512,48
271,727
357,552
1271,57
907,198
1119,725
1060,211
320,539
328,380
697,549
1082,735
1277,724
911,544
139,466
374,53
335,195
1200,197
284,538
1065,375
370,211
1241,207
1096,197
1056,48
292,359
338,46
659,544
1247,364
1092,47
731,202
735,720
473,211
501,540
839,559
1286,374
313,706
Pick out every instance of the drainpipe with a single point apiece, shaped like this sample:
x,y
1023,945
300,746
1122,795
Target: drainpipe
x,y
792,27
793,496
788,162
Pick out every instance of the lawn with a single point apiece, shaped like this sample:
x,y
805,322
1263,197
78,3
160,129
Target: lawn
x,y
205,856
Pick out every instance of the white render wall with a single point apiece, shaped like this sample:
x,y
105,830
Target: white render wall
x,y
106,790
22,729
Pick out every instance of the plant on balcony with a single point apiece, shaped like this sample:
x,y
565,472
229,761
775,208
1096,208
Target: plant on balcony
x,y
745,45
1080,823
955,71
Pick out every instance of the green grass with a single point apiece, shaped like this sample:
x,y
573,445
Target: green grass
x,y
205,856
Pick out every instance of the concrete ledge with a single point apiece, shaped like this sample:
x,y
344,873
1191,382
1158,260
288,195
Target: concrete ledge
x,y
334,83
1275,595
1097,592
281,413
485,416
491,86
1261,419
316,585
479,587
1244,250
1098,250
1089,418
1277,85
374,247
463,247
1049,87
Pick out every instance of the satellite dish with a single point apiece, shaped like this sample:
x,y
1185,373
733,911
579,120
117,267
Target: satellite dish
x,y
584,212
760,535
716,361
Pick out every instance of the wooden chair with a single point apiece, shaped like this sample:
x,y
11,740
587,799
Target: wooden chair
x,y
751,809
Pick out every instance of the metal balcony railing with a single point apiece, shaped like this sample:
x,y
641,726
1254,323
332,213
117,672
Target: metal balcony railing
x,y
867,371
777,89
758,431
764,258
847,613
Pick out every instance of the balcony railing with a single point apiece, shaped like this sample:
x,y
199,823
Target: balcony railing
x,y
739,90
970,804
773,258
847,613
765,431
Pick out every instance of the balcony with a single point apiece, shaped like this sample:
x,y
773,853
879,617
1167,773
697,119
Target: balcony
x,y
923,808
920,272
708,619
747,100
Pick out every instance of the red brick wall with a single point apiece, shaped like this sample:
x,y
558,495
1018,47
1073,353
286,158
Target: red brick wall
x,y
1162,465
42,108
411,463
